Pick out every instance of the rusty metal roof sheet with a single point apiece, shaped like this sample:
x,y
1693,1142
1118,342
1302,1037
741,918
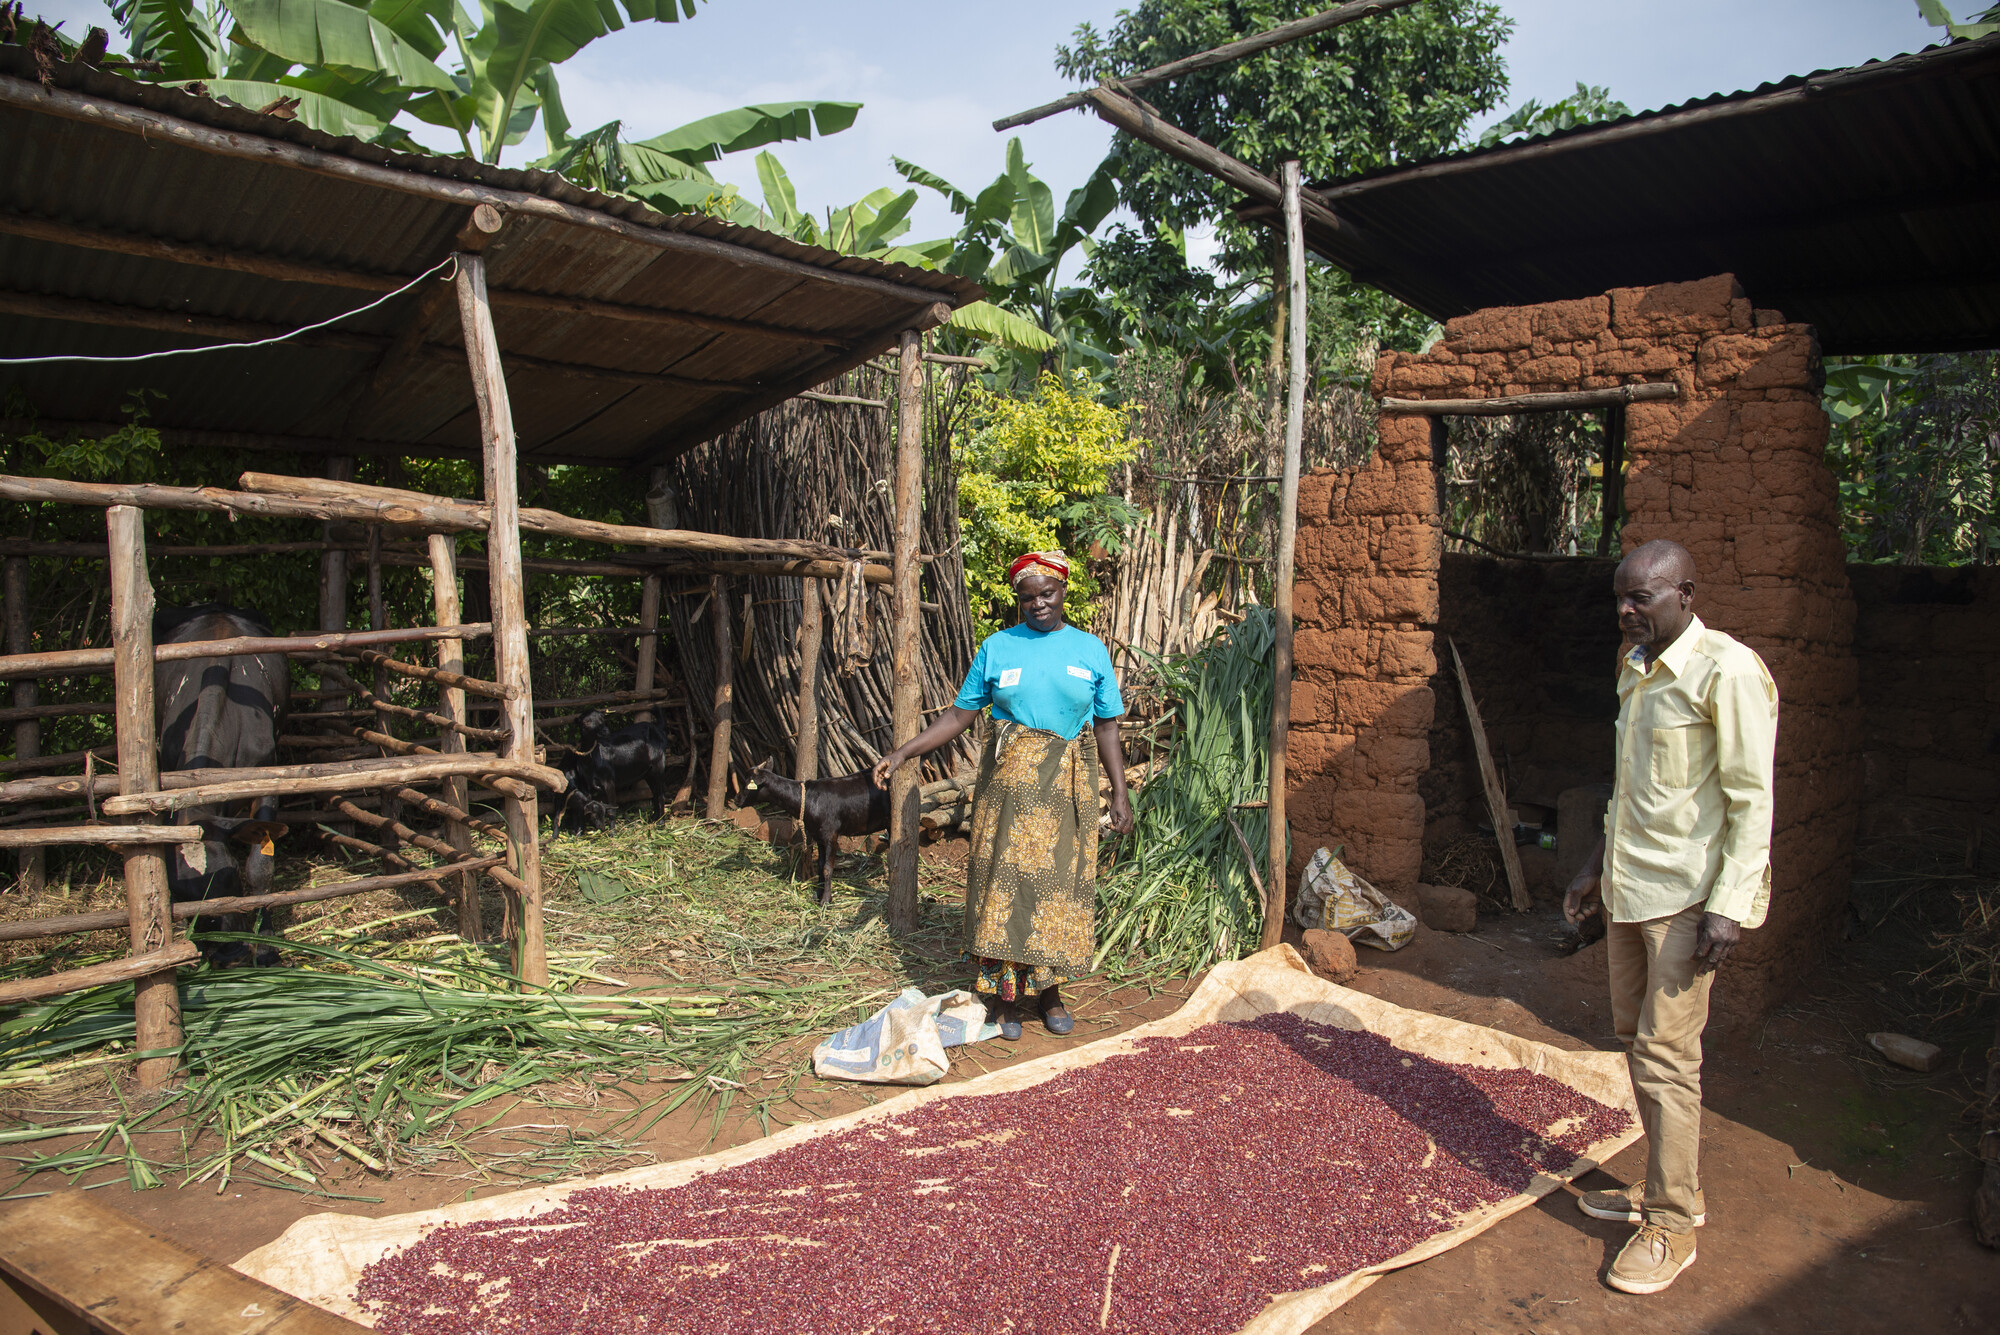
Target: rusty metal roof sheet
x,y
1862,200
627,335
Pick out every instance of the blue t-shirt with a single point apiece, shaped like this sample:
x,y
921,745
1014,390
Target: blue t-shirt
x,y
1054,680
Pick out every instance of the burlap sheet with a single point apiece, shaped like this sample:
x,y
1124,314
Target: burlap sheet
x,y
320,1259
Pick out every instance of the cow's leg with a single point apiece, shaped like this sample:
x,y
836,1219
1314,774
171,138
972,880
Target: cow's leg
x,y
259,865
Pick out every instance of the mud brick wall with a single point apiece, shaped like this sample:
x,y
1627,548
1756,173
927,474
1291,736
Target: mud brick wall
x,y
1733,469
1540,639
1367,597
1927,640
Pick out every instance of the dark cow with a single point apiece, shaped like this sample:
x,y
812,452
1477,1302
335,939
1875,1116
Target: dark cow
x,y
221,713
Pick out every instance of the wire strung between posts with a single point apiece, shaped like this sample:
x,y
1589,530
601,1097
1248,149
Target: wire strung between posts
x,y
449,260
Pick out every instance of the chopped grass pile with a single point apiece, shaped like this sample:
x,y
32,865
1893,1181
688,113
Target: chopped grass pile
x,y
1179,895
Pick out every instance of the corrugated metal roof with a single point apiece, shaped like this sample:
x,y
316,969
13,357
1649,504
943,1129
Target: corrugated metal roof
x,y
1863,200
96,166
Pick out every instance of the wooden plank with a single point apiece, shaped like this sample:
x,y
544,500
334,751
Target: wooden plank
x,y
451,659
156,997
906,700
106,835
1288,531
27,731
116,1275
66,662
805,751
1496,796
1508,404
510,615
417,769
31,929
723,716
144,967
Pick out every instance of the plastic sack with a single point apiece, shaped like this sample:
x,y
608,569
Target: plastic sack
x,y
904,1042
1331,896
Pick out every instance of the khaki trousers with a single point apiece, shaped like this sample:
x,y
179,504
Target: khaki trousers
x,y
1659,1006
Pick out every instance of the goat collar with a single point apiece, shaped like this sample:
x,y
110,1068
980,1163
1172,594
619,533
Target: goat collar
x,y
591,751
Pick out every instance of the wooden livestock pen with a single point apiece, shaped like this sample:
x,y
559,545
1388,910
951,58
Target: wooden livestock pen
x,y
334,296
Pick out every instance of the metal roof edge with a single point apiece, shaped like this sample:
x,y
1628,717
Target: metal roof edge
x,y
89,81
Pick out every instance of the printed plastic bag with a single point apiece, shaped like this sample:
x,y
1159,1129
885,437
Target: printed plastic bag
x,y
904,1042
1331,896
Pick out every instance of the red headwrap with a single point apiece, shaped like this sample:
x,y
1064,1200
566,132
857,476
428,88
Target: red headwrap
x,y
1053,564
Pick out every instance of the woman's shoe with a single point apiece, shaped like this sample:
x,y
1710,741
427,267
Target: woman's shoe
x,y
1010,1022
1056,1016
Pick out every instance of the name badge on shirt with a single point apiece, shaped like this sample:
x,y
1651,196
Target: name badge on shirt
x,y
1010,677
1085,673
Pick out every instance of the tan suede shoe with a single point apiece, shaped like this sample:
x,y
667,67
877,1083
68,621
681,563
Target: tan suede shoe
x,y
1653,1259
1627,1205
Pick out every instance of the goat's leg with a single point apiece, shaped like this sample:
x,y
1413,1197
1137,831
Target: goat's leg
x,y
829,845
656,780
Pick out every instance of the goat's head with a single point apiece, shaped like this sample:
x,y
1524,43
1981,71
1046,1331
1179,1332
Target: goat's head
x,y
592,729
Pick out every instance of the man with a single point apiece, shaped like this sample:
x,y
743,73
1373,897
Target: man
x,y
1682,869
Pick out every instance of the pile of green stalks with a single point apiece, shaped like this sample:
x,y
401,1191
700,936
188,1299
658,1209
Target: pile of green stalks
x,y
385,1056
1179,894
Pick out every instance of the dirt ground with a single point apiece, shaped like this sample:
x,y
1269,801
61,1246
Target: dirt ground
x,y
1837,1186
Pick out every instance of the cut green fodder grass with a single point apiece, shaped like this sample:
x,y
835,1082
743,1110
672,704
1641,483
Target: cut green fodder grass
x,y
387,1046
1179,894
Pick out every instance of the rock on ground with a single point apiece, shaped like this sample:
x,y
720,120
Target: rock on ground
x,y
1447,908
1330,954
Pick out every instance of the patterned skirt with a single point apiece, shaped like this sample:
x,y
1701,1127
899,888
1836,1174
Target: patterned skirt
x,y
1031,881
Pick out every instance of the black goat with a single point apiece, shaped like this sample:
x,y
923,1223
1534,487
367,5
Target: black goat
x,y
607,762
827,809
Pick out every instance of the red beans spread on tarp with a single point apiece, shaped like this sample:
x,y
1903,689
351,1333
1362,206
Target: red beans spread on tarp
x,y
1189,1181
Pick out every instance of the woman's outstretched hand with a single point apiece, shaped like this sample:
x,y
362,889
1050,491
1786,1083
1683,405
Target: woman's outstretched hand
x,y
887,766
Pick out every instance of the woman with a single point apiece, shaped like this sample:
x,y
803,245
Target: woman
x,y
1031,882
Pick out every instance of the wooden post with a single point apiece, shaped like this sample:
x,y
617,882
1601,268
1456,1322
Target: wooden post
x,y
1288,530
725,708
906,701
510,615
649,640
1496,794
451,658
805,750
333,572
1611,486
28,731
149,911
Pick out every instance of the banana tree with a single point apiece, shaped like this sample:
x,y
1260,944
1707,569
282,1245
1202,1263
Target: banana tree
x,y
1013,243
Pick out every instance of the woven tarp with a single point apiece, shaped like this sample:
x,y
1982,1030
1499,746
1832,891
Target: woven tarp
x,y
321,1258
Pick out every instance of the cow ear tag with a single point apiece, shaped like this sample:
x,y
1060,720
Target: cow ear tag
x,y
268,848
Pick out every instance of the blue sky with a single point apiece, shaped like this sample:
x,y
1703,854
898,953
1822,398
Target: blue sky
x,y
934,77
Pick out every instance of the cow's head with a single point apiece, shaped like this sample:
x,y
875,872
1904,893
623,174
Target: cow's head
x,y
235,856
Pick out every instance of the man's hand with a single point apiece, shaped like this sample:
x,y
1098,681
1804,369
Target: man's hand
x,y
1121,812
1583,899
1713,941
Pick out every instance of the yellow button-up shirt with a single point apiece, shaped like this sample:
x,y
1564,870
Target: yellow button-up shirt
x,y
1690,818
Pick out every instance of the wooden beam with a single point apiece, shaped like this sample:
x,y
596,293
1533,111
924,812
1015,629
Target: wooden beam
x,y
142,968
1308,26
1143,123
1505,405
492,690
444,517
78,310
665,234
724,705
1611,482
31,867
68,662
73,709
413,770
906,643
805,750
388,501
34,929
109,836
116,1276
451,740
1288,529
510,616
72,786
1496,794
156,997
645,654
